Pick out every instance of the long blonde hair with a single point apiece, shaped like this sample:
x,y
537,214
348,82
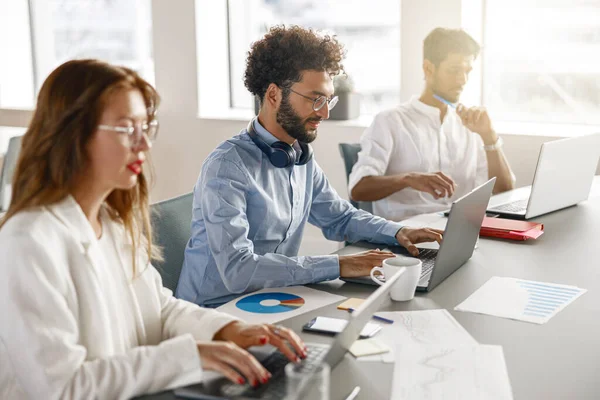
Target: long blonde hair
x,y
53,152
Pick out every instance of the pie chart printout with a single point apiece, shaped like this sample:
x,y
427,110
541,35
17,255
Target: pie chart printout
x,y
270,303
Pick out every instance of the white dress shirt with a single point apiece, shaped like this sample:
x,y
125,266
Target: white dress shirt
x,y
75,324
411,138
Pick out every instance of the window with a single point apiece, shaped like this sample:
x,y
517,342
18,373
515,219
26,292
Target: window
x,y
370,31
38,35
541,60
16,68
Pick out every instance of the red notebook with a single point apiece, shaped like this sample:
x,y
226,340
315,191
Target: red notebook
x,y
511,229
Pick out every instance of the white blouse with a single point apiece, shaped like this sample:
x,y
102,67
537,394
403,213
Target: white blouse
x,y
115,285
75,324
411,138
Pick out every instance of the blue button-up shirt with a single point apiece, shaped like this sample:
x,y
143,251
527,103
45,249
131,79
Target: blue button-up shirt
x,y
248,219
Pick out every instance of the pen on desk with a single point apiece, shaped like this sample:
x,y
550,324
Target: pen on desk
x,y
353,393
443,100
377,317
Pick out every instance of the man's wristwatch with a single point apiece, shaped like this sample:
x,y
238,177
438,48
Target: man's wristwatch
x,y
494,147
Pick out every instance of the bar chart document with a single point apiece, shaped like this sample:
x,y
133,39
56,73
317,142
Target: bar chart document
x,y
520,299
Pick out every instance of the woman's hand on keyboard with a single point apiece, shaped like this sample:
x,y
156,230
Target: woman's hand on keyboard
x,y
245,336
228,358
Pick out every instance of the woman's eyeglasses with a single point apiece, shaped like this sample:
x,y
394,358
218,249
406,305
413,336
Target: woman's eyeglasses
x,y
149,131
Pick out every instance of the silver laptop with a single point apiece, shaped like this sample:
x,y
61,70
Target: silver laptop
x,y
563,177
460,237
274,361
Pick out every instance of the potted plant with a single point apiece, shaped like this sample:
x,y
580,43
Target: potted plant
x,y
348,106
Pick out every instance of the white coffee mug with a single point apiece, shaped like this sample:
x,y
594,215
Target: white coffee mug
x,y
405,287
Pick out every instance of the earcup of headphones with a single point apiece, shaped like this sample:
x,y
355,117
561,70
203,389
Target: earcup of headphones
x,y
307,153
282,155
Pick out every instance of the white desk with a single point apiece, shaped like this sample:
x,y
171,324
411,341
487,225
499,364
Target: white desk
x,y
557,360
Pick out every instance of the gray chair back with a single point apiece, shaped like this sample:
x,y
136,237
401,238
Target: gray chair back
x,y
8,170
172,220
349,152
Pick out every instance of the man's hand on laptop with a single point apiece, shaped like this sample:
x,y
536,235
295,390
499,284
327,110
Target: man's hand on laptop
x,y
361,264
436,184
408,237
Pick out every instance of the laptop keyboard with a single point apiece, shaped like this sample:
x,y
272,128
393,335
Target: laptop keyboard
x,y
275,364
519,206
427,257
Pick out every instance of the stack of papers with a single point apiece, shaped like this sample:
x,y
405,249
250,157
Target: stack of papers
x,y
519,299
436,358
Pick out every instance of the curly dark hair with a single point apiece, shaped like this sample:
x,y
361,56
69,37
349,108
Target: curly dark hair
x,y
284,52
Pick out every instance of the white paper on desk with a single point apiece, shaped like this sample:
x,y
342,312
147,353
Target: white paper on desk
x,y
445,372
519,299
313,299
416,328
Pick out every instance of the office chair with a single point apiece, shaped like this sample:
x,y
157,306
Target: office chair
x,y
8,169
171,219
349,152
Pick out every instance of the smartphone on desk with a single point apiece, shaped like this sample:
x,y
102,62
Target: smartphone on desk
x,y
333,326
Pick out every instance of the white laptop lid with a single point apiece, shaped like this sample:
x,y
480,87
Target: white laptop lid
x,y
564,174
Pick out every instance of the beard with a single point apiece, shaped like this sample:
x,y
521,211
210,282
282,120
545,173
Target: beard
x,y
451,95
293,124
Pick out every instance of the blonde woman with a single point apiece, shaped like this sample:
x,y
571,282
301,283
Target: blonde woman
x,y
83,313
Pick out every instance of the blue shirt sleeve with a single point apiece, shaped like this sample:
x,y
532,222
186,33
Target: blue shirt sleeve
x,y
224,210
339,220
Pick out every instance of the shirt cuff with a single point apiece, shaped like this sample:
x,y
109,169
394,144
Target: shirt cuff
x,y
181,354
325,268
212,322
388,234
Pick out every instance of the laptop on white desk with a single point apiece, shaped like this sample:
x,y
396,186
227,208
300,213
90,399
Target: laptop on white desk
x,y
563,177
217,387
460,238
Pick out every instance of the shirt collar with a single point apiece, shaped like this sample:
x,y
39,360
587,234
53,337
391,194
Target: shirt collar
x,y
428,110
263,133
266,136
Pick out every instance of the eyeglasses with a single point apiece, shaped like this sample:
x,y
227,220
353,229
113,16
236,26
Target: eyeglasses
x,y
135,133
320,101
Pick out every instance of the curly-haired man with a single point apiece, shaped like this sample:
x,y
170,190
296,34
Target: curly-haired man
x,y
258,189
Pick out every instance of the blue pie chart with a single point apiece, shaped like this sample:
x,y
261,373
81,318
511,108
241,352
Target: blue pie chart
x,y
270,303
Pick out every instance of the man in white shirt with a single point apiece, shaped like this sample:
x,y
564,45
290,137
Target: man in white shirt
x,y
420,156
